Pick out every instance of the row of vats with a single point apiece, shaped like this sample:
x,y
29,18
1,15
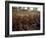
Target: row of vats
x,y
26,8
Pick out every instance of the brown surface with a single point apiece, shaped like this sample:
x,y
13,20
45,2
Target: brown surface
x,y
25,20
